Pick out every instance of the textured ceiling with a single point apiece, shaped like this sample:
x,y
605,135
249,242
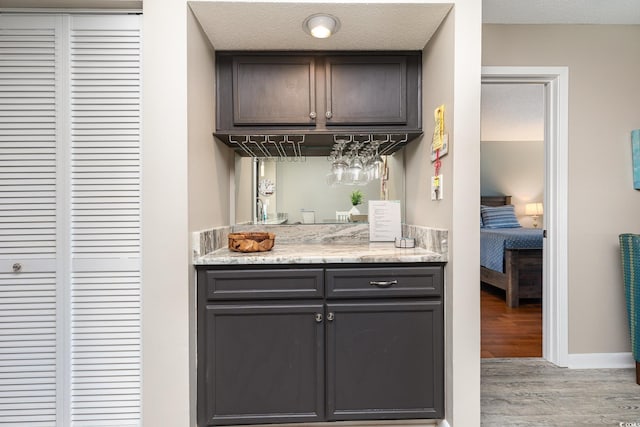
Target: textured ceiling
x,y
273,26
561,11
512,112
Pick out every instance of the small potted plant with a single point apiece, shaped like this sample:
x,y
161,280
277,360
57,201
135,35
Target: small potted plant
x,y
356,199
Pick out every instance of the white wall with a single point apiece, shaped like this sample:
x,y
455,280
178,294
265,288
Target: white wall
x,y
514,168
604,65
165,239
464,235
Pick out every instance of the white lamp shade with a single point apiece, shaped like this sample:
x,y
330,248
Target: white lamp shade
x,y
533,209
321,26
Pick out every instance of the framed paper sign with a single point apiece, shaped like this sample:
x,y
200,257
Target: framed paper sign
x,y
635,153
384,220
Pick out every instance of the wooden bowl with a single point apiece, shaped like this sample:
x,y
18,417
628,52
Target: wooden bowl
x,y
251,241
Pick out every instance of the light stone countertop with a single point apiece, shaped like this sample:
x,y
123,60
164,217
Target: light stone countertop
x,y
291,253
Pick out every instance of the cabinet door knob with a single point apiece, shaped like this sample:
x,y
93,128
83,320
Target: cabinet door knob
x,y
328,114
318,317
384,284
312,114
330,316
16,267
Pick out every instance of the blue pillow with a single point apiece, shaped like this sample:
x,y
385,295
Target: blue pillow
x,y
499,217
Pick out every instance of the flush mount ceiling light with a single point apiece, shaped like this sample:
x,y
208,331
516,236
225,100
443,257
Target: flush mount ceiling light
x,y
321,25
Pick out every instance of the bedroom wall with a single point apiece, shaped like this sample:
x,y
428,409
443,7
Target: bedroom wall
x,y
515,168
604,65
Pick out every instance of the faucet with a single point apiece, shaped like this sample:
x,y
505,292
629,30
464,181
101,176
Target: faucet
x,y
259,210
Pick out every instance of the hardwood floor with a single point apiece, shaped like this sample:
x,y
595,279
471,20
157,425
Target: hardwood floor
x,y
535,393
509,332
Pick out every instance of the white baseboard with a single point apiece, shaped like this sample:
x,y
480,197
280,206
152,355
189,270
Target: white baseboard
x,y
601,360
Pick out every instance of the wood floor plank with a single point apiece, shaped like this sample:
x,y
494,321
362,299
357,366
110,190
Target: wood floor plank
x,y
529,392
509,332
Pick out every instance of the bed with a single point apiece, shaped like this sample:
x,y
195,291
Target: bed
x,y
511,258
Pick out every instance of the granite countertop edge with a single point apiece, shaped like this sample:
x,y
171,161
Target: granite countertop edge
x,y
291,253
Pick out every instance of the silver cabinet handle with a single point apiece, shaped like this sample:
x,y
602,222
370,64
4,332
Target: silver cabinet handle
x,y
16,267
328,114
330,316
312,114
384,284
318,317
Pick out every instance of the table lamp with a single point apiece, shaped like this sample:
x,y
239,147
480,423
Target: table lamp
x,y
534,210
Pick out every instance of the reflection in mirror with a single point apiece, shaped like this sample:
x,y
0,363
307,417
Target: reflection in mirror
x,y
295,191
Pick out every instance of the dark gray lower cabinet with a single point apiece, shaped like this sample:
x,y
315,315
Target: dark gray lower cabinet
x,y
384,360
264,363
347,343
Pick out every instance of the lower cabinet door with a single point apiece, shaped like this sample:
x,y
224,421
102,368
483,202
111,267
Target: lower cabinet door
x,y
264,363
385,360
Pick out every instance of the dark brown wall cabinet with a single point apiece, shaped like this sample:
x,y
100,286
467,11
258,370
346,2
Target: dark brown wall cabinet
x,y
272,91
318,94
270,352
370,90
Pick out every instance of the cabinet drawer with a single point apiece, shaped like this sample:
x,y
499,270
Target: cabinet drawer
x,y
384,282
256,284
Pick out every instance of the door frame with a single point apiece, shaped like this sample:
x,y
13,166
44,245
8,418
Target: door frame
x,y
555,310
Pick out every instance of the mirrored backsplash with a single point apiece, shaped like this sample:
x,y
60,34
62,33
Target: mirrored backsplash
x,y
295,191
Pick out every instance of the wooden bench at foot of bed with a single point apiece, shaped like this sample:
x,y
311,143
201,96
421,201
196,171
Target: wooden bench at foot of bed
x,y
522,277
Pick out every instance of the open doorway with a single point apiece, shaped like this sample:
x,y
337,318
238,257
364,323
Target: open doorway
x,y
554,301
512,182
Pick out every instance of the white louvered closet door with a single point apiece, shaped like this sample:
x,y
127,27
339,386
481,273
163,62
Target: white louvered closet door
x,y
69,220
29,274
105,240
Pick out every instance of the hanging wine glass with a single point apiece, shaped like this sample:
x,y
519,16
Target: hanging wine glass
x,y
339,168
376,162
339,164
356,174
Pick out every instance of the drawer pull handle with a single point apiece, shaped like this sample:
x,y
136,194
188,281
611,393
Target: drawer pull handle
x,y
330,316
385,284
318,317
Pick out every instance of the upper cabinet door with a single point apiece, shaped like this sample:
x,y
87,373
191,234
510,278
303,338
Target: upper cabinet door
x,y
366,90
273,90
